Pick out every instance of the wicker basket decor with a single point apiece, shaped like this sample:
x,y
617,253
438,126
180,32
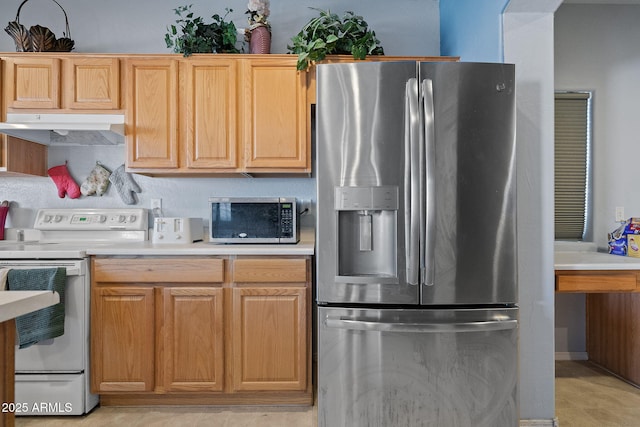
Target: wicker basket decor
x,y
39,38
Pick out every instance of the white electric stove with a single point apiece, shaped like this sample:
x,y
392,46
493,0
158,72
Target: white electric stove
x,y
52,377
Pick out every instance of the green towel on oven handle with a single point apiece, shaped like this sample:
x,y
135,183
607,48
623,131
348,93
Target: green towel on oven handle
x,y
45,323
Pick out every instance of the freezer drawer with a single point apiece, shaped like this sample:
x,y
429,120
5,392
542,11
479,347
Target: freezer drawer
x,y
397,367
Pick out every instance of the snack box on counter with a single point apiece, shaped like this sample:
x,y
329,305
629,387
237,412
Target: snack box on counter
x,y
625,240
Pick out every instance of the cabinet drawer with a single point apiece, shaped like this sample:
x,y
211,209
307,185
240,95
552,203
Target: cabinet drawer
x,y
159,270
596,282
270,270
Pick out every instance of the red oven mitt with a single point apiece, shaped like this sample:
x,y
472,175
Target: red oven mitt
x,y
65,183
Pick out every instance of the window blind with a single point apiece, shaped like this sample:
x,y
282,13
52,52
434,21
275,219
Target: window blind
x,y
572,136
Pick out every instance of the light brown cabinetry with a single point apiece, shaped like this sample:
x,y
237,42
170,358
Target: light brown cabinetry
x,y
596,280
216,114
124,342
19,157
156,324
274,116
270,324
201,330
151,116
210,117
62,82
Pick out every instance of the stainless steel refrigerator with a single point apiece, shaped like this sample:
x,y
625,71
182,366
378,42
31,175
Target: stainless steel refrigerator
x,y
416,245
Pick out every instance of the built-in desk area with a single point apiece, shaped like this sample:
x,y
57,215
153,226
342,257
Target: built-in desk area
x,y
612,287
12,305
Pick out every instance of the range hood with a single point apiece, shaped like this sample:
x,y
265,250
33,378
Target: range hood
x,y
66,129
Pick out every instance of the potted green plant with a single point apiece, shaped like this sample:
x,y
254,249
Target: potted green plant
x,y
192,35
329,34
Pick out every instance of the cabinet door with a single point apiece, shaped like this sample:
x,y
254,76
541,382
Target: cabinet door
x,y
274,116
92,83
269,338
32,83
152,113
270,323
210,113
192,337
122,339
22,157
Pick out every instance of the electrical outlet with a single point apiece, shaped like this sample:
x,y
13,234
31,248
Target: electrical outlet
x,y
619,214
156,205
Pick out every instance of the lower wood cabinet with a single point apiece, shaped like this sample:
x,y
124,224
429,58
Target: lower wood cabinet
x,y
201,330
122,337
270,318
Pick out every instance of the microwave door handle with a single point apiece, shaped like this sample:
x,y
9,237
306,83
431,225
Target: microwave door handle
x,y
373,326
428,214
411,188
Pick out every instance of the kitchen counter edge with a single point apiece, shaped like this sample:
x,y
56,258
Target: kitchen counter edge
x,y
586,260
306,246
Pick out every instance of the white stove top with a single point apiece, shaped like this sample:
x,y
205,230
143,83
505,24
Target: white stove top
x,y
68,233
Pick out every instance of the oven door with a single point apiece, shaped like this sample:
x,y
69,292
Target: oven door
x,y
64,354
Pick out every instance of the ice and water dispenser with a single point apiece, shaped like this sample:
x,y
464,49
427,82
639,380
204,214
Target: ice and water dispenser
x,y
367,219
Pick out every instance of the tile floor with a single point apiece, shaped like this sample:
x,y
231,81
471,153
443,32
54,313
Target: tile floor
x,y
586,396
181,416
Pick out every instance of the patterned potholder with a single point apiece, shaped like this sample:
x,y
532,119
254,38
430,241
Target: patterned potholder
x,y
97,181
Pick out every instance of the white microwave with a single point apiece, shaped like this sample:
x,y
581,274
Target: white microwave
x,y
253,220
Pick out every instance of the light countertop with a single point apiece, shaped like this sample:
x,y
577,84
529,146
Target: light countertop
x,y
17,303
585,257
305,246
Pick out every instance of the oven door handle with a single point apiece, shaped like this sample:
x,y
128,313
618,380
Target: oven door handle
x,y
71,271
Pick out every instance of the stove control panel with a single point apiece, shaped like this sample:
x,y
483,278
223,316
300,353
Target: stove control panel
x,y
92,219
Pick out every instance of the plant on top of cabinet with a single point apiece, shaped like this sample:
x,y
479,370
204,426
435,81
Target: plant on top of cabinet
x,y
192,35
329,34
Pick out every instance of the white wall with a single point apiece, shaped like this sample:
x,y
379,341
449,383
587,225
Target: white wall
x,y
596,48
528,42
410,27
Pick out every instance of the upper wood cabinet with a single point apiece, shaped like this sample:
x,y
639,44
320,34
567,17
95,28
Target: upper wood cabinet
x,y
210,120
91,83
67,83
210,114
274,115
22,158
151,116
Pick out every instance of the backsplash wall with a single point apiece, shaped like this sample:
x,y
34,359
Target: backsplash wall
x,y
180,196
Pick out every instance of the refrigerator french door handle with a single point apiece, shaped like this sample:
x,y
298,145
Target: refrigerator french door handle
x,y
411,187
372,326
427,219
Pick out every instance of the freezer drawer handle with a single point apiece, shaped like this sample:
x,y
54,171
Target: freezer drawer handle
x,y
361,325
